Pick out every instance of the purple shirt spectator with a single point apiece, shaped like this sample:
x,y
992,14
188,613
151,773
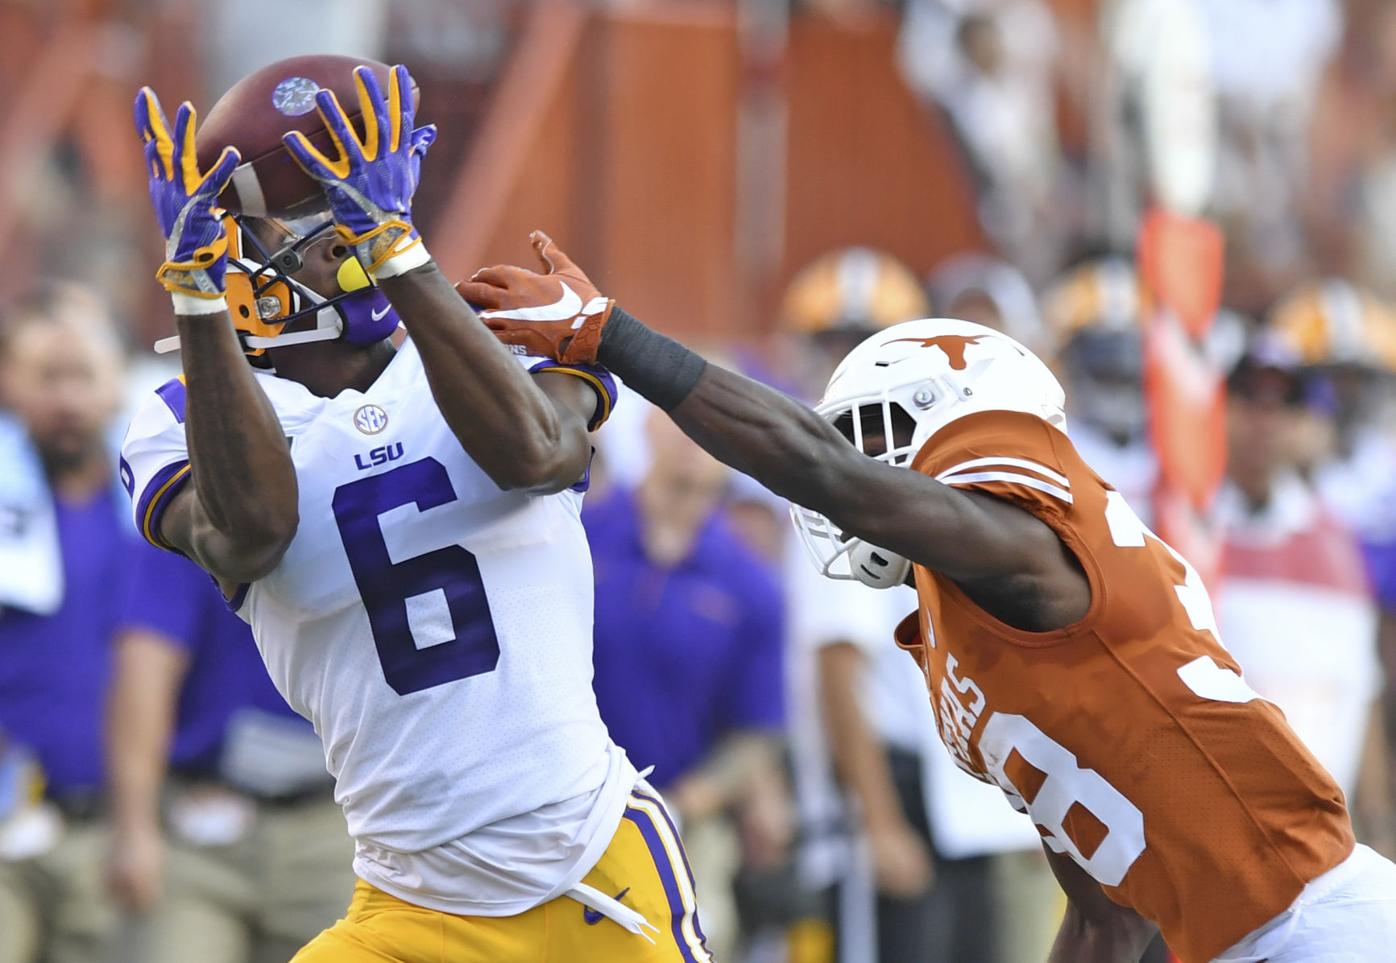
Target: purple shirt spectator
x,y
1380,558
687,654
173,597
54,669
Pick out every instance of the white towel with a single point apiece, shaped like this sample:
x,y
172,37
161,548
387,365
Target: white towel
x,y
31,560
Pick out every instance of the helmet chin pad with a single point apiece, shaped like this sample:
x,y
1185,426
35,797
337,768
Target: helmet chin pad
x,y
352,276
876,567
368,316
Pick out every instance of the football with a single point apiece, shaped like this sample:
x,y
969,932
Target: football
x,y
261,107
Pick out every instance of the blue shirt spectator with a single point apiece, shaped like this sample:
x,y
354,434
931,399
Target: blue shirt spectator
x,y
65,553
54,668
224,672
247,802
684,653
689,629
689,678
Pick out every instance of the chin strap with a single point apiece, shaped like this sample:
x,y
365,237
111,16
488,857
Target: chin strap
x,y
295,337
329,325
171,344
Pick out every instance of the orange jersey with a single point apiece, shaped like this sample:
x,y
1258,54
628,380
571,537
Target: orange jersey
x,y
1130,737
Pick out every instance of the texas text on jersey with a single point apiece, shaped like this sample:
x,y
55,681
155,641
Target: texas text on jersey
x,y
1164,775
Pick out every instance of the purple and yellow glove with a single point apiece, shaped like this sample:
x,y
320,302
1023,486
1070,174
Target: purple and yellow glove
x,y
371,183
196,244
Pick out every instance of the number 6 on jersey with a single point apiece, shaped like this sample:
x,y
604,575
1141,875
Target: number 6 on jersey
x,y
430,615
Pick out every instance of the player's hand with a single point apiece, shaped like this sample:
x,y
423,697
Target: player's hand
x,y
196,244
370,182
136,868
558,314
901,861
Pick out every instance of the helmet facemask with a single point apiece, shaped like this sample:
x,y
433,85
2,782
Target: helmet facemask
x,y
895,392
882,428
264,297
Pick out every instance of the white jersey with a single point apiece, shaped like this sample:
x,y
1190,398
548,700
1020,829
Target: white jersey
x,y
437,631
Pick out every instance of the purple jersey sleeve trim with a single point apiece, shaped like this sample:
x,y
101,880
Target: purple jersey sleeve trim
x,y
156,497
600,380
173,394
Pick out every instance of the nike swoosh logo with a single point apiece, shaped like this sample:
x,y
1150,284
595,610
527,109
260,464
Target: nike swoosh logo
x,y
564,308
380,315
591,917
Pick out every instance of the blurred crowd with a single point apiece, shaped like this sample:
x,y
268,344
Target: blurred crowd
x,y
158,801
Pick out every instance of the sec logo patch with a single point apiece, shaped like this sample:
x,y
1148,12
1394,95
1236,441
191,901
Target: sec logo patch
x,y
370,419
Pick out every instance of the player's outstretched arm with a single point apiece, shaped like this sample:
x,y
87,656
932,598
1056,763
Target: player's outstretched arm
x,y
240,513
522,435
991,548
1095,928
525,432
776,440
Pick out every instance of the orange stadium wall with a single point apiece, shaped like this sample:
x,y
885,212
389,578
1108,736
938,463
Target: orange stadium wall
x,y
617,131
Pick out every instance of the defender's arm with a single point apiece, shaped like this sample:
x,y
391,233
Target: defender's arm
x,y
982,542
1095,929
525,434
797,454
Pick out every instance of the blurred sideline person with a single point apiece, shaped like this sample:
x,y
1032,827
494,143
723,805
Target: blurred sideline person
x,y
227,845
1295,607
866,845
991,68
1347,335
988,291
1073,658
413,563
66,554
875,804
688,655
1094,313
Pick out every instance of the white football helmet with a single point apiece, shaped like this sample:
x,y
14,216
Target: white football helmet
x,y
919,376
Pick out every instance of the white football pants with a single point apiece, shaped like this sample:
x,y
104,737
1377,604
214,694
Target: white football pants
x,y
1347,915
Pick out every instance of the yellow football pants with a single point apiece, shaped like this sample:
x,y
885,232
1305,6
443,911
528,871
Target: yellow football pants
x,y
644,866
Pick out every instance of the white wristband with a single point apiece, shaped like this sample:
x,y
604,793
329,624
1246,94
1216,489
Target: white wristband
x,y
187,304
414,257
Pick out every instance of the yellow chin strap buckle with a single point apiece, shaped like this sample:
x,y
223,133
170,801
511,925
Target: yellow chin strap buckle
x,y
352,276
